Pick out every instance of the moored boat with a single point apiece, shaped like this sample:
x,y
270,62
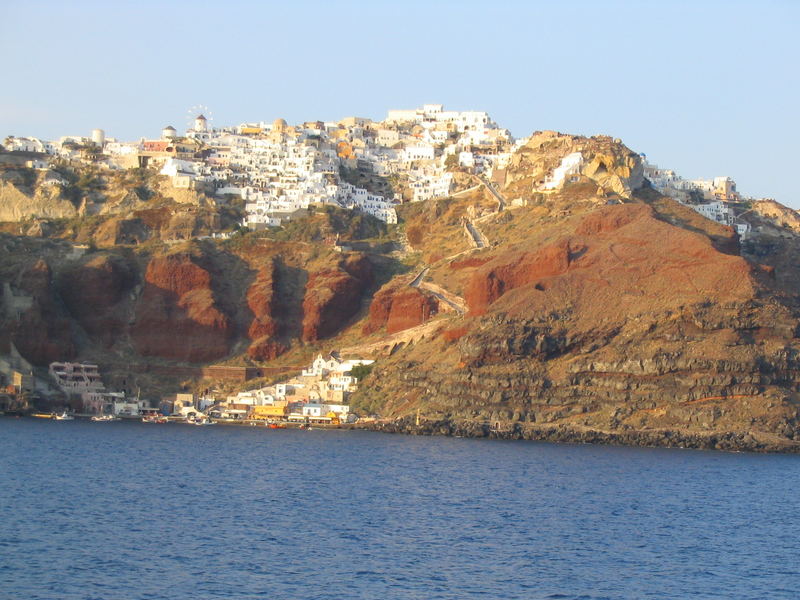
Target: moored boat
x,y
155,419
104,418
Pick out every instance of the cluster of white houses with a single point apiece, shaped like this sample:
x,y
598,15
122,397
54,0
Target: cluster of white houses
x,y
277,169
715,195
318,394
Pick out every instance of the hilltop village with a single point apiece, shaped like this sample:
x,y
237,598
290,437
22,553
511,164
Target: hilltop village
x,y
278,170
472,282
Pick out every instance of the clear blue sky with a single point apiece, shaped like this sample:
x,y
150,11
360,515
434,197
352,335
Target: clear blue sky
x,y
707,88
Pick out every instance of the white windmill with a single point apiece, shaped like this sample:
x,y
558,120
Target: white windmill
x,y
198,121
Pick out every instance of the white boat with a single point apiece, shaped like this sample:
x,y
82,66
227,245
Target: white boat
x,y
63,417
104,418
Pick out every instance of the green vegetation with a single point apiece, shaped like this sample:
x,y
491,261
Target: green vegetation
x,y
361,372
325,223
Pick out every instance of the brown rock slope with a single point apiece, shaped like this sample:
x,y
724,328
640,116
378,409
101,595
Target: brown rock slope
x,y
96,293
398,307
42,331
612,324
333,296
177,316
263,302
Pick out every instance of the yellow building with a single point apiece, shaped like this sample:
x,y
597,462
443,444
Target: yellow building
x,y
22,382
270,411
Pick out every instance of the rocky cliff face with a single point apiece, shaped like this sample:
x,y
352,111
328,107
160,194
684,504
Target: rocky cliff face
x,y
98,294
399,307
333,296
607,162
46,202
42,331
262,299
599,311
614,321
178,316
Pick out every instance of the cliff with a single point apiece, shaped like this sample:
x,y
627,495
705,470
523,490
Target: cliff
x,y
608,324
592,310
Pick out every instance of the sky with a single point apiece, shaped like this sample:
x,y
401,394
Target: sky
x,y
706,88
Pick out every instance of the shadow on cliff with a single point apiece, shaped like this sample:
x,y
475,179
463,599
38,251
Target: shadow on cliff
x,y
290,289
723,238
185,310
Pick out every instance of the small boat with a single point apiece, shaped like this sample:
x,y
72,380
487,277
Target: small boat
x,y
64,416
155,419
104,418
276,426
202,422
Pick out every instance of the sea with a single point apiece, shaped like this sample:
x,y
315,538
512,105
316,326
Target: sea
x,y
128,510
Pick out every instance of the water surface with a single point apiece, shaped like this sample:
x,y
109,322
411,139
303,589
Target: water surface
x,y
129,510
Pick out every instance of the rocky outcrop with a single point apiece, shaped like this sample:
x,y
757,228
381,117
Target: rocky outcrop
x,y
612,325
116,231
262,299
177,316
399,307
97,294
333,296
606,161
778,214
42,333
615,261
45,202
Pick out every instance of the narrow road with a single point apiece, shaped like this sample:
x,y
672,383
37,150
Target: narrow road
x,y
418,279
501,202
454,302
476,235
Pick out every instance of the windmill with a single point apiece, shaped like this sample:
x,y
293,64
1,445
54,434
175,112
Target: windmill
x,y
198,118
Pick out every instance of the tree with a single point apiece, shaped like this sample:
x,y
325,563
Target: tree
x,y
361,372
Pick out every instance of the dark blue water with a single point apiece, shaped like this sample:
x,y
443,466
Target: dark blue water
x,y
126,510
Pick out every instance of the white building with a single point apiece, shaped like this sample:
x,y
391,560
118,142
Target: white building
x,y
426,187
716,211
570,165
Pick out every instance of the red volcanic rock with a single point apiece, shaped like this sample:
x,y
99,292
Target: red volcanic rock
x,y
262,301
333,297
95,295
379,309
177,273
399,308
455,334
473,261
618,260
42,335
177,316
488,284
266,348
410,308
